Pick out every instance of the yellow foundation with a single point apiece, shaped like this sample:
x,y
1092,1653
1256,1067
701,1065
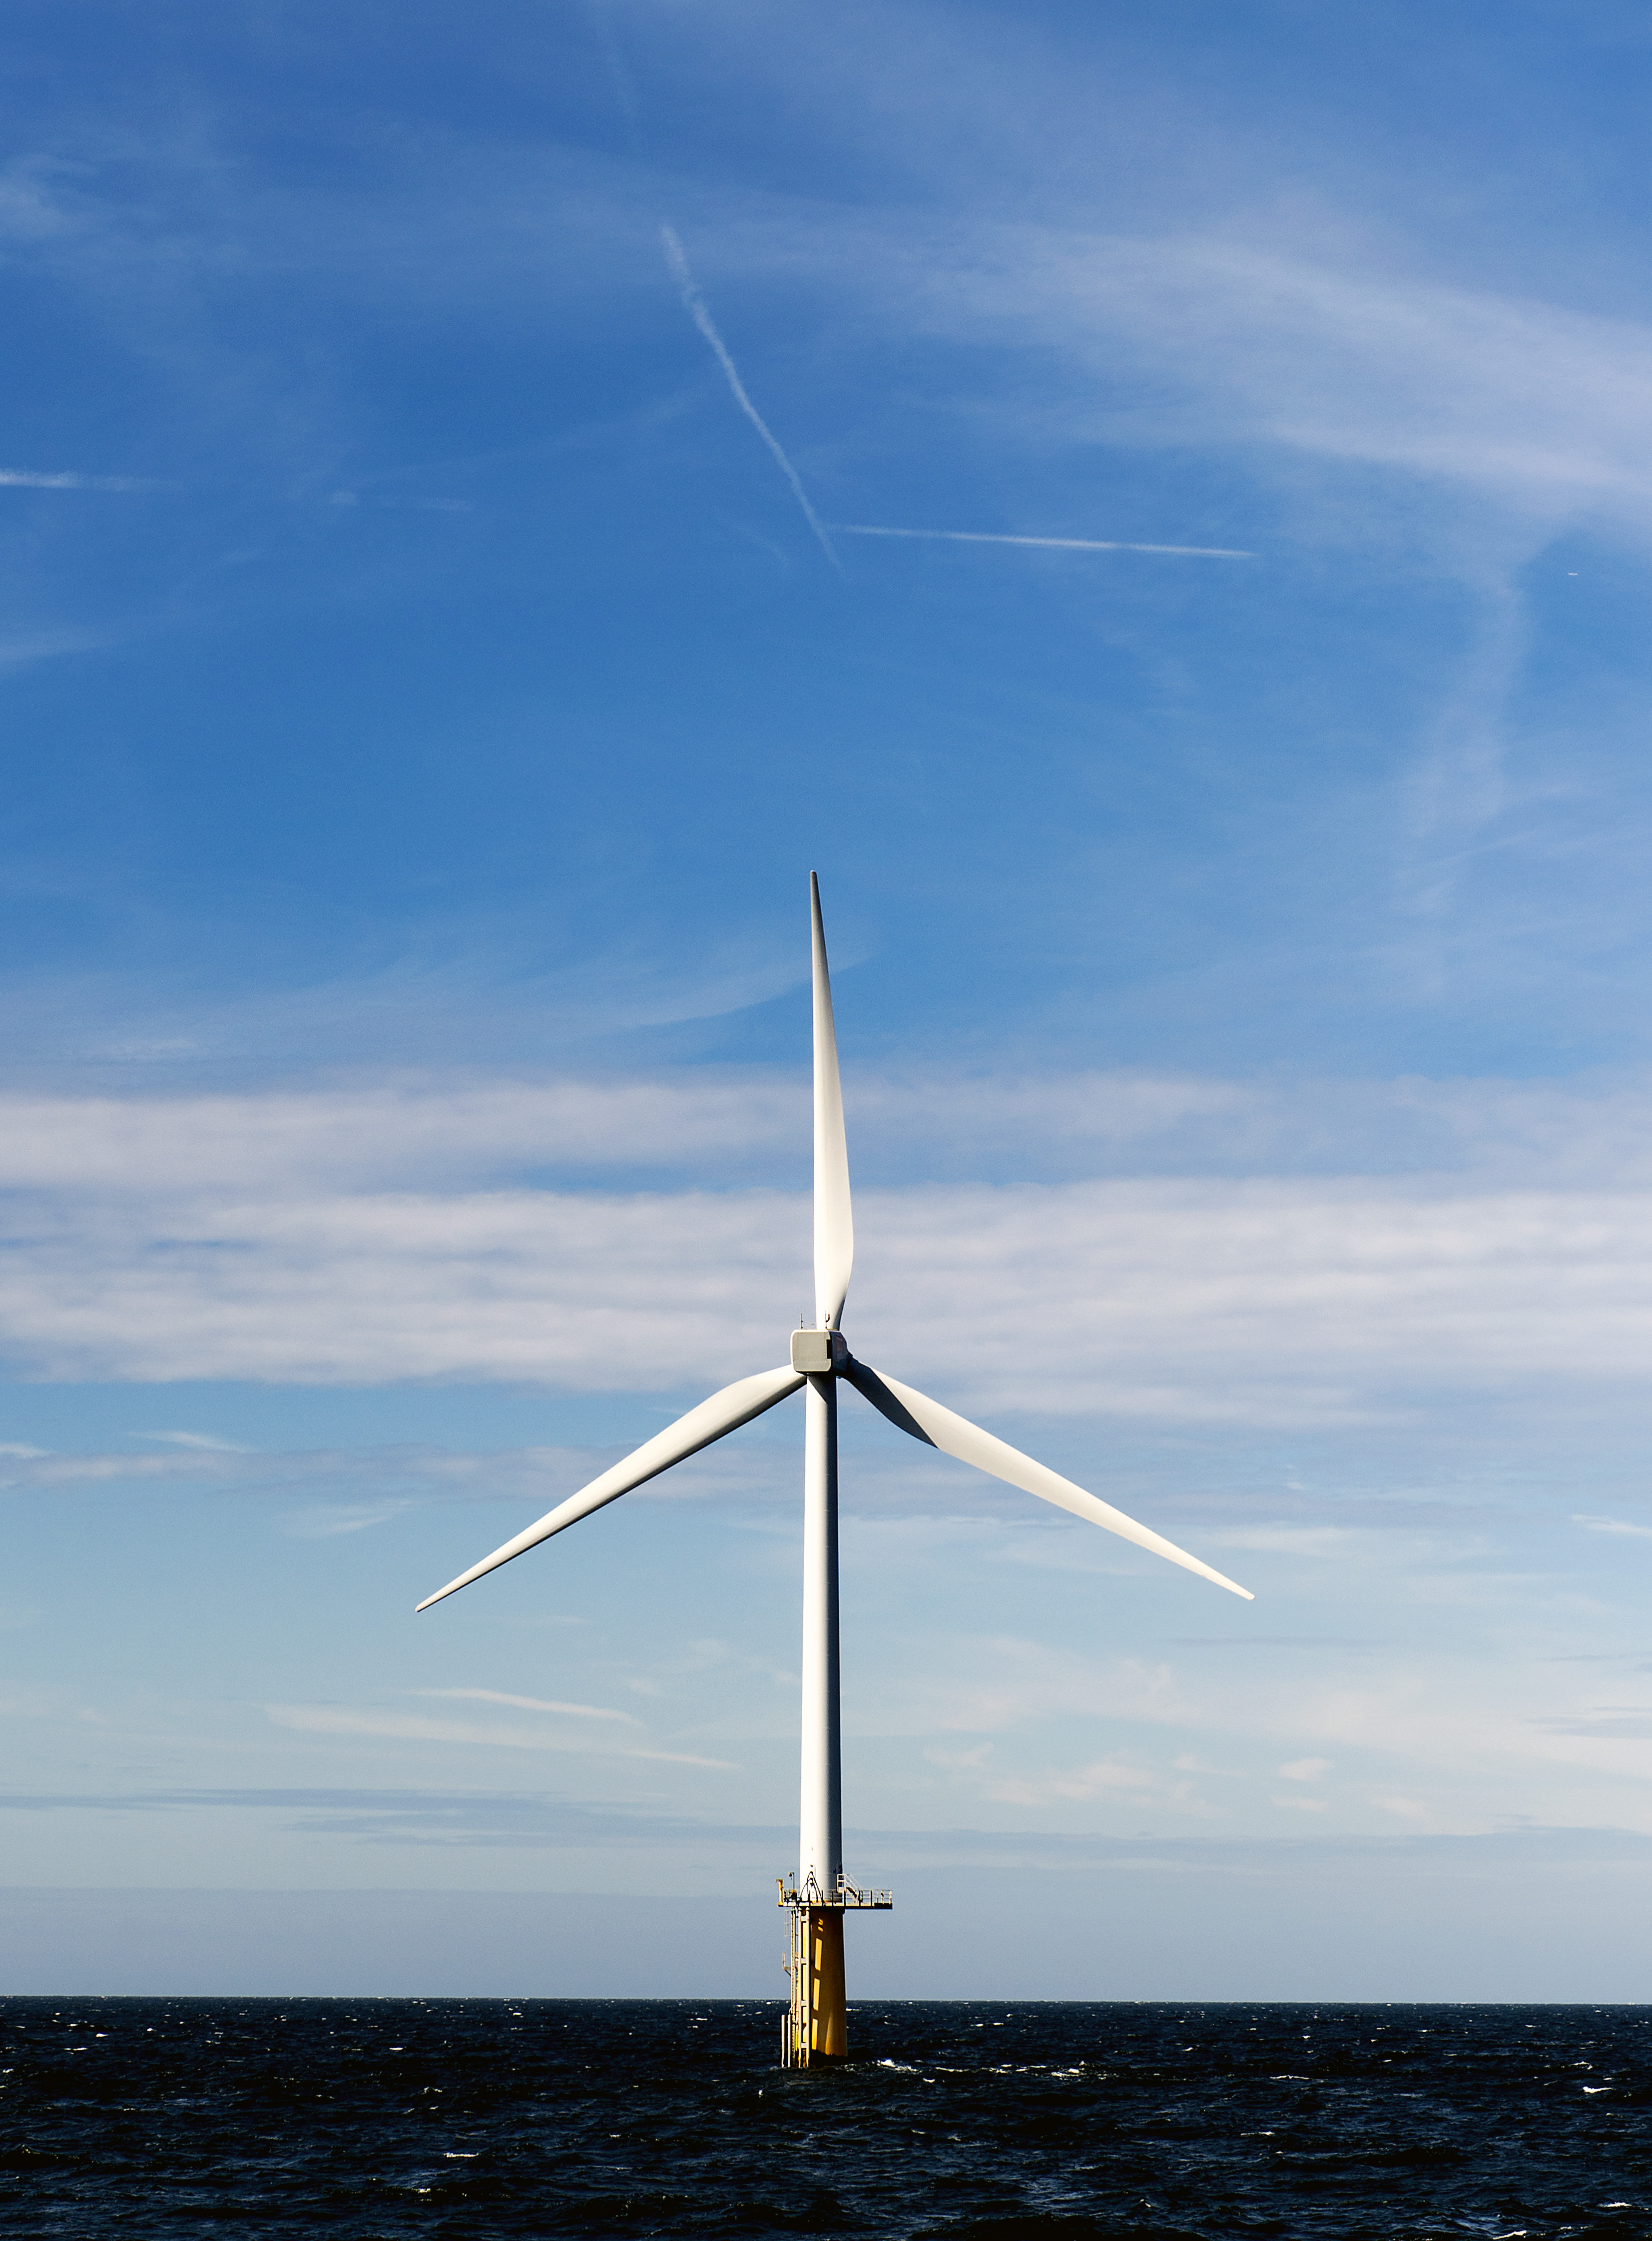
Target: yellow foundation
x,y
828,2004
816,2023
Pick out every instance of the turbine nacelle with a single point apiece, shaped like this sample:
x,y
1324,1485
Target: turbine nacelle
x,y
819,1352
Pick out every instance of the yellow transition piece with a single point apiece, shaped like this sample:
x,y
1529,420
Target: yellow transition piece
x,y
828,2001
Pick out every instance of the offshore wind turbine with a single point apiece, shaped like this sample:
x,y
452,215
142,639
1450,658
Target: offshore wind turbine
x,y
816,2024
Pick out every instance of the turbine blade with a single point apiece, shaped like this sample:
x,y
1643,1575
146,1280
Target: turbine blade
x,y
938,1427
833,1215
724,1411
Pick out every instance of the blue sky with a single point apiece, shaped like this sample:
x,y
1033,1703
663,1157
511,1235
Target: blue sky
x,y
441,625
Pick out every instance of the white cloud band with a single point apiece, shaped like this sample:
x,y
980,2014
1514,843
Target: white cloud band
x,y
252,1238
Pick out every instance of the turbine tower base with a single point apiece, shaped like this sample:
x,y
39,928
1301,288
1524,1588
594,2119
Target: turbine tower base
x,y
815,2027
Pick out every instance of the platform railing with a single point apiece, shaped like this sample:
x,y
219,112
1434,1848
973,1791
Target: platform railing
x,y
844,1894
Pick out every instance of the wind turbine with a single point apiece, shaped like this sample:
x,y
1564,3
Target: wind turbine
x,y
817,2022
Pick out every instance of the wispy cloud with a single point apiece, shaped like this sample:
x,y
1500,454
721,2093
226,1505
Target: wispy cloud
x,y
342,1720
1043,544
532,1704
401,504
1538,406
48,645
30,478
1615,1525
1111,1779
694,304
345,1490
202,1441
328,1523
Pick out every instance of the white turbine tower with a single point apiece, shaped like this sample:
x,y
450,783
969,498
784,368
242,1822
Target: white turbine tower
x,y
816,2024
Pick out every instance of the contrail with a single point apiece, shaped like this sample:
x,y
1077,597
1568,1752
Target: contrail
x,y
1050,544
624,89
694,304
25,478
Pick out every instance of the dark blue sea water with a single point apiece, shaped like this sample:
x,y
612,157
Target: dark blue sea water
x,y
484,2118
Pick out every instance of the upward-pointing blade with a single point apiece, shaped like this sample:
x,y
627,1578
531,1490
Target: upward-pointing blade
x,y
724,1411
833,1216
938,1427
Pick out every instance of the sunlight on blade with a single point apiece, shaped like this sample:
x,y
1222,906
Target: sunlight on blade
x,y
724,1411
938,1427
833,1217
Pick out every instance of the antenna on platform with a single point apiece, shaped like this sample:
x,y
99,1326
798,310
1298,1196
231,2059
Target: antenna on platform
x,y
818,1899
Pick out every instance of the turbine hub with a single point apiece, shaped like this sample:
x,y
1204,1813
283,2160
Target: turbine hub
x,y
819,1353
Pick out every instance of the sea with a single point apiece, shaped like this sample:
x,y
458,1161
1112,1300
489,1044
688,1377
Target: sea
x,y
389,2119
